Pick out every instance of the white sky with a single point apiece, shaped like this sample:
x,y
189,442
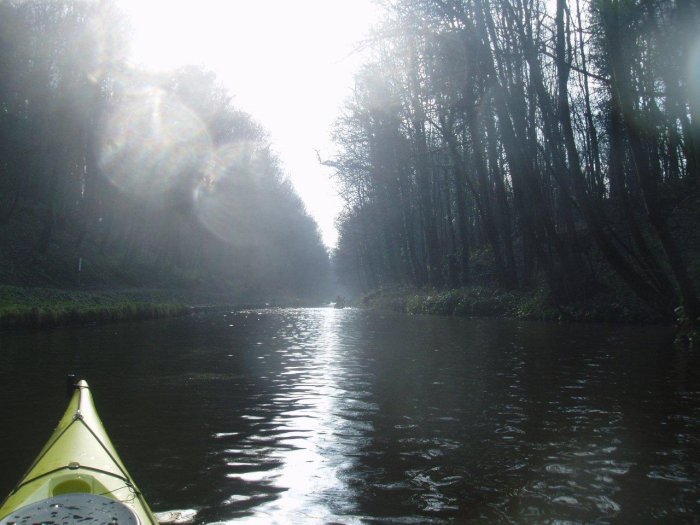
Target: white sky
x,y
290,63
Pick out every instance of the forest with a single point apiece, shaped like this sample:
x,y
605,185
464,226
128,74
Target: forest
x,y
523,144
517,145
114,177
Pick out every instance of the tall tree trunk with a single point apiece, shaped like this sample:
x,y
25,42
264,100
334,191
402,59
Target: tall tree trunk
x,y
486,199
49,221
502,208
647,178
424,182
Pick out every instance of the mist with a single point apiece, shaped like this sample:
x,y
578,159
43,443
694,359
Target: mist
x,y
141,178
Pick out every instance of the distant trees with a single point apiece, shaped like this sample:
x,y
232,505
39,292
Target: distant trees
x,y
532,131
136,169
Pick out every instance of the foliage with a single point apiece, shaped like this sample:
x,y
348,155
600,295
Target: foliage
x,y
688,328
142,179
48,307
526,145
535,304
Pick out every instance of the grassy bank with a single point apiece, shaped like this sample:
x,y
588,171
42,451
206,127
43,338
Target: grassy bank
x,y
484,302
40,307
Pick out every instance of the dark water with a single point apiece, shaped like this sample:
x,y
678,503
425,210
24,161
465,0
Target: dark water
x,y
344,416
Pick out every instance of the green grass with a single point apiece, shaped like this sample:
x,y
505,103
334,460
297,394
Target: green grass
x,y
480,301
39,307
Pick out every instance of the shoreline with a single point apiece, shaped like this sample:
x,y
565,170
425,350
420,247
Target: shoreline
x,y
535,305
22,307
530,305
48,307
27,307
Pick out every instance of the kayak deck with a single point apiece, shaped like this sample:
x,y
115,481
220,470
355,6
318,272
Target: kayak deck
x,y
78,462
72,508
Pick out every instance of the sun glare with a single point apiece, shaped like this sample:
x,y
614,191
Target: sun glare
x,y
289,64
149,140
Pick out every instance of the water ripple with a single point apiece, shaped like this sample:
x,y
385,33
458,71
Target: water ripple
x,y
323,416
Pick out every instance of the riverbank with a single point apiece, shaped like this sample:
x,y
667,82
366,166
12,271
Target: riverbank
x,y
534,304
43,307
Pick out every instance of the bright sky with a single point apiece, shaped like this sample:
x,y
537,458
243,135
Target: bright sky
x,y
289,63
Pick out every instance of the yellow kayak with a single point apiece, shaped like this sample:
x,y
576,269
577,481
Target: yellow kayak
x,y
77,476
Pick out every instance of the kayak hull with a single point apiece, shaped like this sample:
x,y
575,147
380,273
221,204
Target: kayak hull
x,y
79,458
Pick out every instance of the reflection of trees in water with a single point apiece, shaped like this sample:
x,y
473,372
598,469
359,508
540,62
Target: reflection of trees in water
x,y
263,415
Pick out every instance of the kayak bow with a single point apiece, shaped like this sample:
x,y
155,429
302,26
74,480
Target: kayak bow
x,y
77,474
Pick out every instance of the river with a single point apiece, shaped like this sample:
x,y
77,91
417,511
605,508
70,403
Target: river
x,y
347,416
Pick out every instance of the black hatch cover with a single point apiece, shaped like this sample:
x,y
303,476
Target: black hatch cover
x,y
69,509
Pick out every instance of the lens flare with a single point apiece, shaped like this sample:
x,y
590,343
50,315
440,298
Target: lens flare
x,y
223,199
99,43
152,144
694,76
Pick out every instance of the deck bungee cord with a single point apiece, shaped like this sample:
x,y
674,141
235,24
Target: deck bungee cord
x,y
78,470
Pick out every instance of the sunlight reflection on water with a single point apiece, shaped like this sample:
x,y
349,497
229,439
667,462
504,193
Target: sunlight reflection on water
x,y
345,416
463,431
308,442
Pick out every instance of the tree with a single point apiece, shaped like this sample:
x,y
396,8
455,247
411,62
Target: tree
x,y
504,111
157,178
